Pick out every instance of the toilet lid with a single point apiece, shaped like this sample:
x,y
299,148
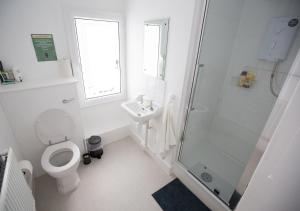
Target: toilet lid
x,y
54,125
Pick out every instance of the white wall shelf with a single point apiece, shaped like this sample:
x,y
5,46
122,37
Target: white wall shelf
x,y
22,86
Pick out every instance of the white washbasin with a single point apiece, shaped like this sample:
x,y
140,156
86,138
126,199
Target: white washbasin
x,y
139,113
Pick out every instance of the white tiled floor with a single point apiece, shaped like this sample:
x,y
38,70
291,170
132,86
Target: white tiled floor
x,y
123,180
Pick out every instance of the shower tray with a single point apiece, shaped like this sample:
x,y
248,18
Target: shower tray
x,y
212,181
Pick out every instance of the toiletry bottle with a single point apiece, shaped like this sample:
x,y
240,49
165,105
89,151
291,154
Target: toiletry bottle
x,y
18,75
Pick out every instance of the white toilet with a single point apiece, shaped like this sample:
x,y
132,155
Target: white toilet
x,y
61,158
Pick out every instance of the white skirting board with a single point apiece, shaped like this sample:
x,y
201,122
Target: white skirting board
x,y
112,135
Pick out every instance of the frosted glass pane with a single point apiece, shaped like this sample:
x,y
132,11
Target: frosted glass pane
x,y
151,49
98,43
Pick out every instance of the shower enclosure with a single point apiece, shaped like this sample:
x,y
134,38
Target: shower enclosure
x,y
239,69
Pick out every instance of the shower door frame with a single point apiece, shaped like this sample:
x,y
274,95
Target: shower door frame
x,y
192,68
190,93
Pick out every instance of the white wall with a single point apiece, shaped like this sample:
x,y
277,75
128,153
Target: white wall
x,y
20,19
7,138
180,13
104,118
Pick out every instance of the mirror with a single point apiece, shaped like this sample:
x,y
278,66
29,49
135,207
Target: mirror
x,y
155,47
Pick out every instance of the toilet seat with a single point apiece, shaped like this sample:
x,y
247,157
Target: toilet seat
x,y
53,149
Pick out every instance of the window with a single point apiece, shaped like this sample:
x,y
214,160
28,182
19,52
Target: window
x,y
99,51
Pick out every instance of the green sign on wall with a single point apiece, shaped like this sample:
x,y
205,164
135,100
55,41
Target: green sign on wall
x,y
44,47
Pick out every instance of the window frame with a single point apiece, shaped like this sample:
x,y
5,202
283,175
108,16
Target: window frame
x,y
70,15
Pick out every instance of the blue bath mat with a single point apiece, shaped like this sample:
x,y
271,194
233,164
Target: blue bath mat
x,y
176,197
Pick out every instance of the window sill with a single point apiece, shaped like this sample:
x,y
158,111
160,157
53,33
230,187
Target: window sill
x,y
102,100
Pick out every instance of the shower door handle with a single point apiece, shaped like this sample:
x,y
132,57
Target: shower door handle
x,y
195,82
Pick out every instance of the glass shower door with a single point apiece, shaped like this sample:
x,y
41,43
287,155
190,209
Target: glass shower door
x,y
226,117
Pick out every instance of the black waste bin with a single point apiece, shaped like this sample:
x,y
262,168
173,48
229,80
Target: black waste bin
x,y
94,146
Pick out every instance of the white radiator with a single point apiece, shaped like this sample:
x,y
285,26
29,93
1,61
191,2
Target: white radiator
x,y
15,193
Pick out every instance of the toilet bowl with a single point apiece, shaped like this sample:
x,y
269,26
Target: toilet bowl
x,y
61,162
61,157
